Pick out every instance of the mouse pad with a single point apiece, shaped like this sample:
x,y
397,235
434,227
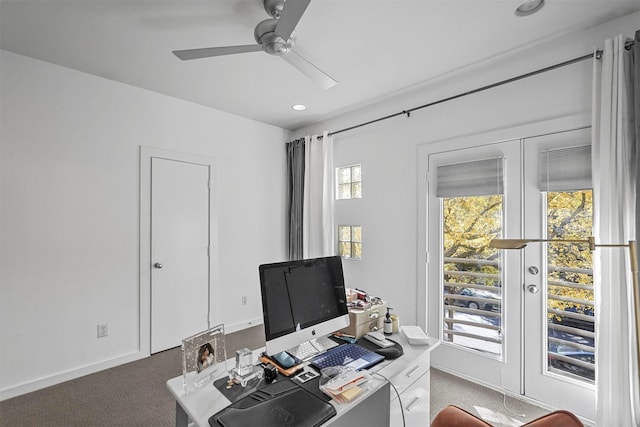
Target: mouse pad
x,y
387,354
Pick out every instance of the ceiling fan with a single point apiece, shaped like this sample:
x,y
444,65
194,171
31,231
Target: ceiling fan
x,y
275,36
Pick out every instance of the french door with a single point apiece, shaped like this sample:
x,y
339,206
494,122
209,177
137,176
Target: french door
x,y
479,318
516,320
558,295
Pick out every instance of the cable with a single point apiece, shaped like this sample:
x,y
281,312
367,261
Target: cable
x,y
504,396
404,423
504,403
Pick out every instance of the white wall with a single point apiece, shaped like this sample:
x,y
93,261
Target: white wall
x,y
70,214
393,223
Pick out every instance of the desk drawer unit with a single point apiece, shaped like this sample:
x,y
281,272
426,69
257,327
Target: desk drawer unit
x,y
365,320
411,372
415,404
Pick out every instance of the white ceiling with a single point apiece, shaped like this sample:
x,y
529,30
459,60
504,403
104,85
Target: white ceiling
x,y
373,48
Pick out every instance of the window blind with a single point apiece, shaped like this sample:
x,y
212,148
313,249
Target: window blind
x,y
476,178
566,169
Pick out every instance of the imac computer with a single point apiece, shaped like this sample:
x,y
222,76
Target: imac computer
x,y
302,301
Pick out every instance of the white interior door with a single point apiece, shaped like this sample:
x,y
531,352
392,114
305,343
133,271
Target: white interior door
x,y
180,267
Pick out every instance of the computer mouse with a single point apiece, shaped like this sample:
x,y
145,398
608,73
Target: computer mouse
x,y
390,352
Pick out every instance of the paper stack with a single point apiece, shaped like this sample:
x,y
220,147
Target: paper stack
x,y
346,387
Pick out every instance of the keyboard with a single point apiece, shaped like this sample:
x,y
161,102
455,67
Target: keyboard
x,y
308,349
351,355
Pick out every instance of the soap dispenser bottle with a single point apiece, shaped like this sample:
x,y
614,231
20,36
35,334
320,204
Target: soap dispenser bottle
x,y
387,326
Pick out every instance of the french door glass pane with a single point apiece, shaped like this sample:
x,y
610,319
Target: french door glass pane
x,y
472,304
570,296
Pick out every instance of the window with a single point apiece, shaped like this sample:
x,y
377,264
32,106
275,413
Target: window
x,y
350,241
570,293
349,182
565,184
471,194
472,272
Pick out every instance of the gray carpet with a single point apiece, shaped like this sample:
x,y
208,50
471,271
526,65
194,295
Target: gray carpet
x,y
135,394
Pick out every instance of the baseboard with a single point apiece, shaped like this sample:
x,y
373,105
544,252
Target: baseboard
x,y
235,327
28,387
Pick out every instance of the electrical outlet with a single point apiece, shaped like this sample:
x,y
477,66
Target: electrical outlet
x,y
244,300
103,330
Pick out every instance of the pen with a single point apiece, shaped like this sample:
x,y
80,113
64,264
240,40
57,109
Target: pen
x,y
341,334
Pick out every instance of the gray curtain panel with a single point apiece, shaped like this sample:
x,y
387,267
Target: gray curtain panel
x,y
295,176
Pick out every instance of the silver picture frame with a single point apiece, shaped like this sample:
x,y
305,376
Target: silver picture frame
x,y
204,358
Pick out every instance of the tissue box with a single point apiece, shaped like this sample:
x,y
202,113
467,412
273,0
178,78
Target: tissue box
x,y
415,335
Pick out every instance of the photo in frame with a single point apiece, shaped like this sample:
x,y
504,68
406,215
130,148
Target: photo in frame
x,y
204,358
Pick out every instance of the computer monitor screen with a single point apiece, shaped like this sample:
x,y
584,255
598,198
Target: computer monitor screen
x,y
302,300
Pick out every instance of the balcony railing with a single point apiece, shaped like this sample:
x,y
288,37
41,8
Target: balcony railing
x,y
567,329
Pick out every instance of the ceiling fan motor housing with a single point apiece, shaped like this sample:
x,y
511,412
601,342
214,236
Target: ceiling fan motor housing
x,y
271,43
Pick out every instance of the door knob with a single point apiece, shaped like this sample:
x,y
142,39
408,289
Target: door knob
x,y
533,289
158,265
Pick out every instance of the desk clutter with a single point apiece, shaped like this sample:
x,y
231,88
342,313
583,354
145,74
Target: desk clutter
x,y
414,335
366,313
343,384
320,339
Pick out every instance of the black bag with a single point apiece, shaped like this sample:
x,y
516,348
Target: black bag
x,y
282,403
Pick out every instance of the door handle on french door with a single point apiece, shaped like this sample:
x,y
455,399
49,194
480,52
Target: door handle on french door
x,y
158,265
533,289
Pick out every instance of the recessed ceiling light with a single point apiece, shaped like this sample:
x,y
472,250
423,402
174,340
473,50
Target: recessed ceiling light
x,y
529,7
299,107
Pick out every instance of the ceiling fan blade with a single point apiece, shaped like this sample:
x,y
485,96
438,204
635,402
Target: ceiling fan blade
x,y
207,52
310,70
291,14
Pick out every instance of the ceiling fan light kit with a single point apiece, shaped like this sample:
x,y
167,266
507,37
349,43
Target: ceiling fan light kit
x,y
274,7
274,36
529,7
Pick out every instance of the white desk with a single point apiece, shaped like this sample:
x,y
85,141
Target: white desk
x,y
408,373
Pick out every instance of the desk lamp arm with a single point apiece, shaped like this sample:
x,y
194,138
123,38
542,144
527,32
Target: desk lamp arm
x,y
633,255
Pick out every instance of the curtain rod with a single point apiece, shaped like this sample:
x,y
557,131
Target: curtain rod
x,y
597,54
